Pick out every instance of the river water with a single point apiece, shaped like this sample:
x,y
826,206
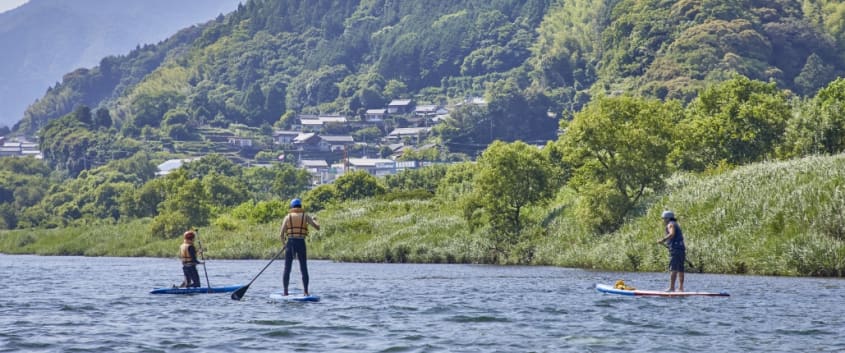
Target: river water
x,y
82,304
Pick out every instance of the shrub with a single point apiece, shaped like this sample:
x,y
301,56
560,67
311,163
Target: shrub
x,y
169,225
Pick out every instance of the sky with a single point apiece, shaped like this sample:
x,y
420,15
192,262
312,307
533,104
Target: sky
x,y
6,5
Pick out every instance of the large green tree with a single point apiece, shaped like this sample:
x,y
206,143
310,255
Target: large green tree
x,y
736,122
617,149
511,177
357,185
818,126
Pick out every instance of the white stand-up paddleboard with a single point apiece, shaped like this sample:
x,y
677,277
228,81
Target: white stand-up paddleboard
x,y
604,288
294,297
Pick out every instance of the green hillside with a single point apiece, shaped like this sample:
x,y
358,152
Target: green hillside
x,y
269,57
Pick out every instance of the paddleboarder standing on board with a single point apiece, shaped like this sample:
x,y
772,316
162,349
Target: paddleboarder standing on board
x,y
293,233
188,254
674,241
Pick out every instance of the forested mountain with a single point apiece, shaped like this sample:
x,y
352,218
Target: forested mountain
x,y
272,56
269,57
44,39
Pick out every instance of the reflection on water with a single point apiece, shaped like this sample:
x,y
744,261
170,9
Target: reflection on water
x,y
102,304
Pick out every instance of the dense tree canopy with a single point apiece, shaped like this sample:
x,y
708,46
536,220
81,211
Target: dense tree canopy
x,y
510,178
738,121
618,148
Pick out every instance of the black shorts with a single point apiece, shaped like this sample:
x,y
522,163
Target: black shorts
x,y
676,260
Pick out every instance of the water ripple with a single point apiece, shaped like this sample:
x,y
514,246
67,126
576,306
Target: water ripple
x,y
76,304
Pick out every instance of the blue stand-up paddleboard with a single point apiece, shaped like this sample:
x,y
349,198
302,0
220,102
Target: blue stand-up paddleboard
x,y
199,290
278,297
604,288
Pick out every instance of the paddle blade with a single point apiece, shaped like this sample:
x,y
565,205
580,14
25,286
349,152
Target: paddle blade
x,y
238,294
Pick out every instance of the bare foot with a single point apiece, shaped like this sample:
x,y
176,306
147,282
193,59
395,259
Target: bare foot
x,y
670,290
680,290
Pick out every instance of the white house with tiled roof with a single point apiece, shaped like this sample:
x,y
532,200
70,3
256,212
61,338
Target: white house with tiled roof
x,y
426,110
416,134
400,106
375,115
374,166
335,143
333,119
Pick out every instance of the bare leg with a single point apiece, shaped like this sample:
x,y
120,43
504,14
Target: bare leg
x,y
681,281
672,278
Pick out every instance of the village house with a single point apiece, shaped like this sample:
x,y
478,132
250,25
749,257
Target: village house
x,y
335,143
296,125
10,149
333,119
316,123
476,101
282,137
16,148
375,166
240,141
310,125
32,153
414,134
318,168
375,115
400,106
307,141
427,110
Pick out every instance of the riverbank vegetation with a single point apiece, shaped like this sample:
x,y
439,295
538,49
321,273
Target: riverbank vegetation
x,y
771,218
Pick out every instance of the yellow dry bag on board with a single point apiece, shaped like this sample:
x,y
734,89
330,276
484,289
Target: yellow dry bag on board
x,y
620,284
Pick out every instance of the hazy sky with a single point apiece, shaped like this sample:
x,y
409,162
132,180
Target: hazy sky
x,y
6,5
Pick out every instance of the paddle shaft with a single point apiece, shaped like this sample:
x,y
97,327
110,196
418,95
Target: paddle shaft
x,y
199,242
238,294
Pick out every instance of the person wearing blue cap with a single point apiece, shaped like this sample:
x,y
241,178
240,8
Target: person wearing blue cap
x,y
674,241
293,233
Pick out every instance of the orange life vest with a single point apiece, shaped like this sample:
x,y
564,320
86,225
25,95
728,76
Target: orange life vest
x,y
185,255
297,225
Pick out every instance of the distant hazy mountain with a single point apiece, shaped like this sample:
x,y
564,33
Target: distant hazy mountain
x,y
6,5
45,39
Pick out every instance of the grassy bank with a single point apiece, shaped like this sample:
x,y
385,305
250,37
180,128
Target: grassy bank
x,y
784,218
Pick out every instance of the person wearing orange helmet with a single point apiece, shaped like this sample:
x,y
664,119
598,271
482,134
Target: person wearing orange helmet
x,y
188,255
293,233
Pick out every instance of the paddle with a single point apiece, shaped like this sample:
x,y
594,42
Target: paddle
x,y
238,294
202,250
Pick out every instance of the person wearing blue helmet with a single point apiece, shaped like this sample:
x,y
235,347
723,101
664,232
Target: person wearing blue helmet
x,y
674,241
293,233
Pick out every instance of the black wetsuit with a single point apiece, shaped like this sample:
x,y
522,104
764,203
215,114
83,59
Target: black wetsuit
x,y
296,228
296,247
